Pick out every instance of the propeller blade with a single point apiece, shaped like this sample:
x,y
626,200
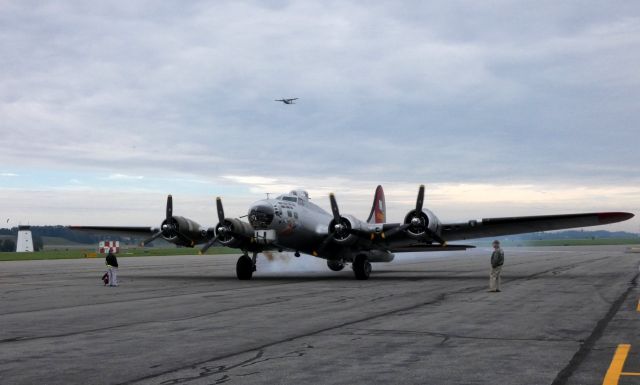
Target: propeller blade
x,y
325,243
169,206
152,238
208,245
187,241
220,209
334,208
420,199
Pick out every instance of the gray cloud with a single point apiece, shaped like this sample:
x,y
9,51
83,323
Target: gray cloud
x,y
492,92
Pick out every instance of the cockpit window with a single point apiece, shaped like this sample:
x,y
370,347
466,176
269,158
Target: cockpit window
x,y
290,199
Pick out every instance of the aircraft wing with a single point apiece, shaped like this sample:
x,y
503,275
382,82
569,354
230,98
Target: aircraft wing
x,y
425,247
493,227
125,231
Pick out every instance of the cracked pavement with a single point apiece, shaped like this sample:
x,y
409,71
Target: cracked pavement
x,y
420,319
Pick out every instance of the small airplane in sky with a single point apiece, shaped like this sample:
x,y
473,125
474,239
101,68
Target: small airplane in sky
x,y
291,222
287,101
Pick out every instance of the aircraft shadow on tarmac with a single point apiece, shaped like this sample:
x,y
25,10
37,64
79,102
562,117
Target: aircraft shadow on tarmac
x,y
300,278
409,275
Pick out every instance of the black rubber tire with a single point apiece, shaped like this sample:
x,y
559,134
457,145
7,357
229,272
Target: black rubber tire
x,y
361,267
335,265
244,268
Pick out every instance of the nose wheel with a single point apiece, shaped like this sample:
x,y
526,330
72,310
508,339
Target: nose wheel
x,y
246,266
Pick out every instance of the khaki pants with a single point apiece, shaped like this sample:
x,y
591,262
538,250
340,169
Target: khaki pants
x,y
494,278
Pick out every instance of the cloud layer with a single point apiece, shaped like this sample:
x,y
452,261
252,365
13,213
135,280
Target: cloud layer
x,y
148,98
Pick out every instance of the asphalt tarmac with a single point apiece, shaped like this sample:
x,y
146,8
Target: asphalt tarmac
x,y
561,317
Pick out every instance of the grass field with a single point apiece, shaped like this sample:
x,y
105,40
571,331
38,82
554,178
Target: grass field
x,y
563,242
77,253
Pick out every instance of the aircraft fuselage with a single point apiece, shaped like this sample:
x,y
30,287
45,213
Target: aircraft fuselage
x,y
291,222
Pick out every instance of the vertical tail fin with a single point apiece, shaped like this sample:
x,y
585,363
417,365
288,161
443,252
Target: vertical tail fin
x,y
379,208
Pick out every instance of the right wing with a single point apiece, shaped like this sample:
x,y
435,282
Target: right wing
x,y
182,231
125,231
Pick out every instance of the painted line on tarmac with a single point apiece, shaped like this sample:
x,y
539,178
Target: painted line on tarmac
x,y
598,331
617,364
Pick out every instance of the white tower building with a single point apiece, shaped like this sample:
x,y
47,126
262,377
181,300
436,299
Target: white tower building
x,y
25,240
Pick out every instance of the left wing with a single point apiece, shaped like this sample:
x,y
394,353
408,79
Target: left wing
x,y
425,247
423,231
493,227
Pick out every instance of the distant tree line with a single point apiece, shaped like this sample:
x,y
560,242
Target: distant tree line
x,y
574,234
7,244
61,232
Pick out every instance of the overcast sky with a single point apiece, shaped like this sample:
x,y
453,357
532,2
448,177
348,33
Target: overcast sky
x,y
500,108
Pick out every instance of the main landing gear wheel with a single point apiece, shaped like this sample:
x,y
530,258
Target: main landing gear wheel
x,y
361,267
335,265
245,267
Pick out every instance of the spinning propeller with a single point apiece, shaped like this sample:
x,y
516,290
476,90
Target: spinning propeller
x,y
223,231
169,227
340,227
417,221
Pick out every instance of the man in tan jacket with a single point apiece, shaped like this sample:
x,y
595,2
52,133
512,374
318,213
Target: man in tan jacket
x,y
497,260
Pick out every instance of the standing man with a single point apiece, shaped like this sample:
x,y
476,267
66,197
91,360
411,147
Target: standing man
x,y
112,268
497,260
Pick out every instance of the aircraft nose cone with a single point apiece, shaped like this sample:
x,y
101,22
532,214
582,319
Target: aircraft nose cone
x,y
261,216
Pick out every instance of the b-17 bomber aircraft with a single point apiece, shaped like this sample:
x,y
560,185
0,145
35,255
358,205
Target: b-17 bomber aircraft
x,y
287,101
291,222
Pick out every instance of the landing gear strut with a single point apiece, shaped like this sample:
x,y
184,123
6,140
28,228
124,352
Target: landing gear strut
x,y
361,267
335,265
246,266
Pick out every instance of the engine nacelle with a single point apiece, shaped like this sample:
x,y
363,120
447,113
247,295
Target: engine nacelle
x,y
182,231
234,232
419,222
343,234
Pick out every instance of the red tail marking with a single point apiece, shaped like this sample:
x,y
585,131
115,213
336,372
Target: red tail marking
x,y
379,209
